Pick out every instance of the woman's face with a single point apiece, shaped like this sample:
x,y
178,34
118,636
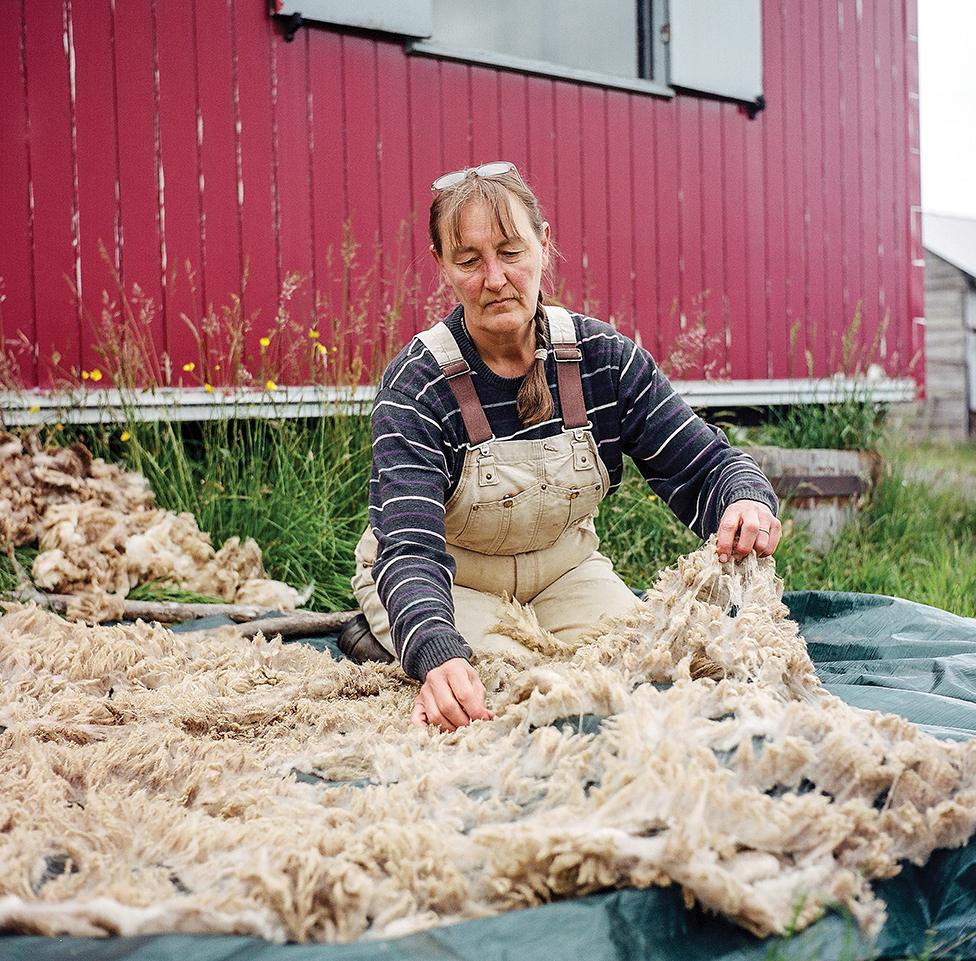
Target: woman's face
x,y
496,278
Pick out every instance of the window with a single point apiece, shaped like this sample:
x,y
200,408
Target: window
x,y
610,42
409,18
717,47
652,45
609,37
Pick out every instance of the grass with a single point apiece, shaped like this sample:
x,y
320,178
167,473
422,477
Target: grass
x,y
853,424
156,591
944,464
299,489
914,540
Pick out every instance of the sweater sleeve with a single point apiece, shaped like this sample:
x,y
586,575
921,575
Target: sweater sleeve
x,y
413,571
688,463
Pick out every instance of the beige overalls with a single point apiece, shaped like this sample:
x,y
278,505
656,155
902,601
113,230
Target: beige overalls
x,y
520,522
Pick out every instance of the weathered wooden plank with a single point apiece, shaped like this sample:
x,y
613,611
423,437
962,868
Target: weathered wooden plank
x,y
293,179
713,280
620,213
596,236
95,140
663,179
52,191
180,120
693,292
221,216
774,196
397,202
140,171
17,241
568,217
647,320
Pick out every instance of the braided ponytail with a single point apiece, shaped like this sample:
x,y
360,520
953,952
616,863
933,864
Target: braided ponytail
x,y
534,401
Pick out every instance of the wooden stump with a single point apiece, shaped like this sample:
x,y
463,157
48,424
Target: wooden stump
x,y
822,487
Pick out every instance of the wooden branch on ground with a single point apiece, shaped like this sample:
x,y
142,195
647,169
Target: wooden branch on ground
x,y
249,618
306,623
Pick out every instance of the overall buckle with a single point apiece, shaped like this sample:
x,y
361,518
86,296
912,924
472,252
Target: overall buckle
x,y
455,369
567,353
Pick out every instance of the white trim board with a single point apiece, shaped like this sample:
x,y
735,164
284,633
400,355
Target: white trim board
x,y
543,68
111,406
795,390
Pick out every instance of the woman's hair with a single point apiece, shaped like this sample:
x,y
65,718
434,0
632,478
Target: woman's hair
x,y
534,402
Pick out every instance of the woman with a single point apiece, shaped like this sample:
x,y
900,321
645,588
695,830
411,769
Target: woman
x,y
496,434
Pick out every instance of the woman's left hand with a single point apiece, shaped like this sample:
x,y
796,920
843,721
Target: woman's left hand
x,y
756,525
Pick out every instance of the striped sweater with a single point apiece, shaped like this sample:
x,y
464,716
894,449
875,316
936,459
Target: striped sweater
x,y
419,443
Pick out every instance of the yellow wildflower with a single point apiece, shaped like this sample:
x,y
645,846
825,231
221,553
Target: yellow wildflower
x,y
125,436
59,426
96,375
313,334
34,409
208,388
321,348
216,366
189,367
334,349
270,385
265,342
85,375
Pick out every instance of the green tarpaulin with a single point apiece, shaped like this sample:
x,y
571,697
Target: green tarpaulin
x,y
874,652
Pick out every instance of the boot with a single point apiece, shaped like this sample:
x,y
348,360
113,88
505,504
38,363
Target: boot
x,y
356,641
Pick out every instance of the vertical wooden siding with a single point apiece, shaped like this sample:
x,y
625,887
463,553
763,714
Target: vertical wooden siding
x,y
143,140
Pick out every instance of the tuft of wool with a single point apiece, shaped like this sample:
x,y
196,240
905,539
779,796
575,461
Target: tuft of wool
x,y
100,534
153,781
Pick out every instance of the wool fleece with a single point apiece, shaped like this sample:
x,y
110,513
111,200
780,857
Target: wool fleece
x,y
155,782
100,534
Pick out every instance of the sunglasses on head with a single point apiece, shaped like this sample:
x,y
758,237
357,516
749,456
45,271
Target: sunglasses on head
x,y
493,169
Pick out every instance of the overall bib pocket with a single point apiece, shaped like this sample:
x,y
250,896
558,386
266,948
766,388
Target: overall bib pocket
x,y
532,520
505,526
569,506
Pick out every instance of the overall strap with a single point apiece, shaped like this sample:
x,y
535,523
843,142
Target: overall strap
x,y
562,333
441,343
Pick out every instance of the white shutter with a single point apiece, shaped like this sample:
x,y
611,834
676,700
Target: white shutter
x,y
410,18
716,47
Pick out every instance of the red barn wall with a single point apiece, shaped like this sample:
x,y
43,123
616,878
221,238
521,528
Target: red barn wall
x,y
173,133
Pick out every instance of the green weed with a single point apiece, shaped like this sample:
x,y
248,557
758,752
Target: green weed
x,y
155,591
856,423
639,532
912,540
298,487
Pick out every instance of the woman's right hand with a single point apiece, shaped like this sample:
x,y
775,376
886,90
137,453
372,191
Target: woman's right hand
x,y
452,696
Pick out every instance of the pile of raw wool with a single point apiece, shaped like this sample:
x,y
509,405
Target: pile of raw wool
x,y
152,781
100,534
